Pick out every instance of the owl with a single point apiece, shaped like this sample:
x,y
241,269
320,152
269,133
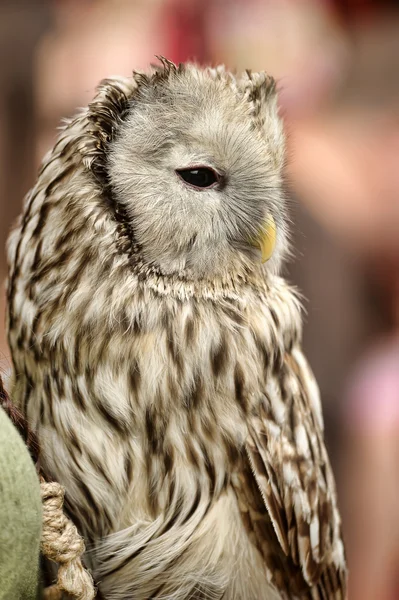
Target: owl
x,y
157,351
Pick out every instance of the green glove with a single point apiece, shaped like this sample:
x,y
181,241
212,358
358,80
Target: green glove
x,y
20,517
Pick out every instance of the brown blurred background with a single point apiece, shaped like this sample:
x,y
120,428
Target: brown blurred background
x,y
337,63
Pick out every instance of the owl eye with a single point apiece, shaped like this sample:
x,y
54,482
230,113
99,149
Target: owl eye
x,y
199,177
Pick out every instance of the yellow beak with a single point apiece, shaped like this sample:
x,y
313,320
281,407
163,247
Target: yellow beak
x,y
266,238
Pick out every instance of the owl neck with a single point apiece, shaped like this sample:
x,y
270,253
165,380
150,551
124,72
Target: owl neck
x,y
183,279
206,272
185,284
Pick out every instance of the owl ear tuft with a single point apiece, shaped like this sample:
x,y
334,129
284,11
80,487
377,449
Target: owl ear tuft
x,y
261,92
259,89
166,69
166,65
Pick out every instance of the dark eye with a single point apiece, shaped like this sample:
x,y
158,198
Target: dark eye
x,y
200,177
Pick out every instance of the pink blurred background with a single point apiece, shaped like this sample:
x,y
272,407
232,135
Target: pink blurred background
x,y
337,64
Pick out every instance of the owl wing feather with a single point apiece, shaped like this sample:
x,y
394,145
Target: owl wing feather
x,y
289,463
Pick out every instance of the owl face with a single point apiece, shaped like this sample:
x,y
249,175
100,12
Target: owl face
x,y
196,165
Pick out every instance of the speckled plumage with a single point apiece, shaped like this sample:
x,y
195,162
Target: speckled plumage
x,y
159,361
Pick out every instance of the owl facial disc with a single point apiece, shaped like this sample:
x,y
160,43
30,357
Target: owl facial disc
x,y
266,238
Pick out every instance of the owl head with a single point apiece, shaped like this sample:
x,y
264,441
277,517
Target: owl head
x,y
192,159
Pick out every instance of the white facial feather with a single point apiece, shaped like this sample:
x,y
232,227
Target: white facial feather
x,y
190,120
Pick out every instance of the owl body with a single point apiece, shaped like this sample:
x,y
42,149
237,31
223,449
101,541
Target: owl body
x,y
159,361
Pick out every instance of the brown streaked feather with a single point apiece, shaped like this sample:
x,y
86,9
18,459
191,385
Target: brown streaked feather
x,y
289,463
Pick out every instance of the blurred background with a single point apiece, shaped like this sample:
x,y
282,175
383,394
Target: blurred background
x,y
337,64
